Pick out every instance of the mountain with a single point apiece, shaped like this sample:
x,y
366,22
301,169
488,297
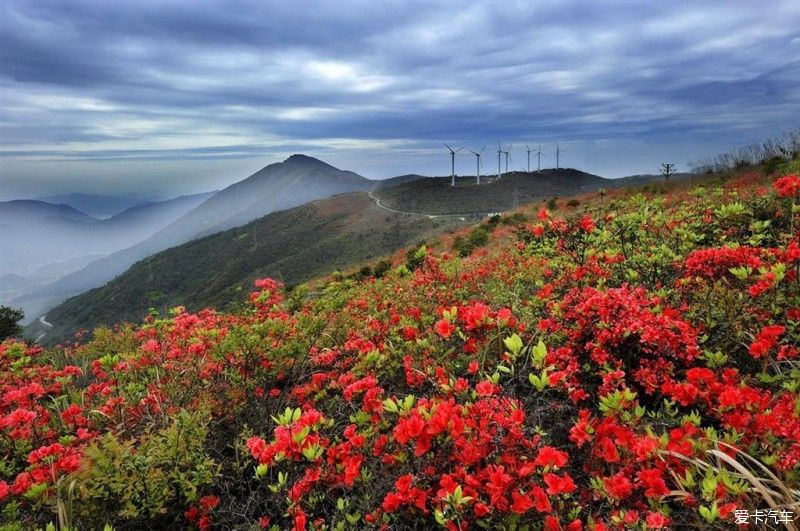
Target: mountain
x,y
101,206
293,245
295,181
21,212
434,195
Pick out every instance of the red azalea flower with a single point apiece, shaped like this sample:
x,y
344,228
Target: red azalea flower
x,y
444,328
618,486
540,500
654,483
656,520
521,503
788,186
559,484
549,456
485,388
765,340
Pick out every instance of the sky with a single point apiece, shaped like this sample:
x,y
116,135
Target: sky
x,y
181,97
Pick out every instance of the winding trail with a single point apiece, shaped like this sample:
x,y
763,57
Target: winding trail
x,y
45,323
381,205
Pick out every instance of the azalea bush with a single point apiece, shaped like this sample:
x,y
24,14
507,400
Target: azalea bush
x,y
631,365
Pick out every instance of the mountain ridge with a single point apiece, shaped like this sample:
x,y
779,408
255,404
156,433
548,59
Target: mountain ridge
x,y
18,212
102,206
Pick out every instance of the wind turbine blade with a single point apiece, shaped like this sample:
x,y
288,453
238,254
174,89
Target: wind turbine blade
x,y
484,147
448,147
459,149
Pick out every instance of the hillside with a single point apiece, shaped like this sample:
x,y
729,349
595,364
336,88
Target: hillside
x,y
292,245
436,196
631,365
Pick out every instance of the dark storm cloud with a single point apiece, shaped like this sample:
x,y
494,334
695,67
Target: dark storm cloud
x,y
376,86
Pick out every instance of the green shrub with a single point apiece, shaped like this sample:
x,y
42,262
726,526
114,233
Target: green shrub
x,y
477,238
415,256
144,479
518,218
381,268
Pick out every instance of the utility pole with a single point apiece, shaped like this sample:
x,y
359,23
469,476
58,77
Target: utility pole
x,y
667,170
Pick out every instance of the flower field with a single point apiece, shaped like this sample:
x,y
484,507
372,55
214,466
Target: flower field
x,y
632,363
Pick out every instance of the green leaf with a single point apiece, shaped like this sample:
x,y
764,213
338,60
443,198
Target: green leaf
x,y
539,353
390,405
513,344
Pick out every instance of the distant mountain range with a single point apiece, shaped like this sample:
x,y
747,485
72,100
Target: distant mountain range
x,y
36,233
297,180
101,206
42,242
23,212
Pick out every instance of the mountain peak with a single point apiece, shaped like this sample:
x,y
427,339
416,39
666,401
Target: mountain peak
x,y
299,157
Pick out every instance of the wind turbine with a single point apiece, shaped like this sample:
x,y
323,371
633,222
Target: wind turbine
x,y
529,157
452,163
478,156
558,155
499,152
539,159
507,156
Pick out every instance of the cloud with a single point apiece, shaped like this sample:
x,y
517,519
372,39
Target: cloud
x,y
86,83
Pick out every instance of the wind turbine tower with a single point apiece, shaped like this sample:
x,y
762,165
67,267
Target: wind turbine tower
x,y
452,163
539,159
558,155
478,163
529,157
499,152
507,156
